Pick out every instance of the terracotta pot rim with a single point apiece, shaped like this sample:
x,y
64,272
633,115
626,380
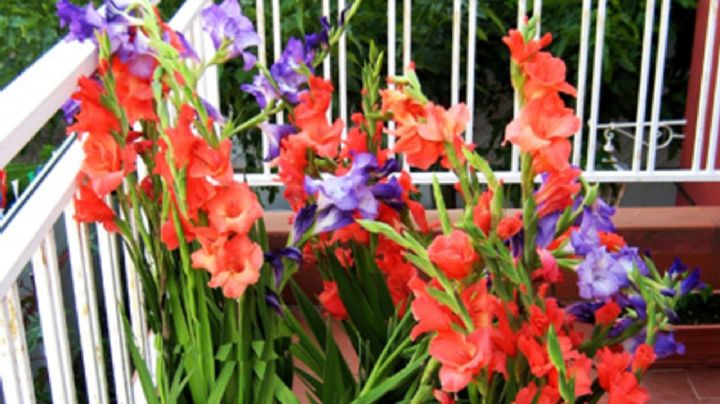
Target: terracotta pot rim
x,y
683,327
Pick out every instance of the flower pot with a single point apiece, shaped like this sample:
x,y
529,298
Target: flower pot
x,y
702,346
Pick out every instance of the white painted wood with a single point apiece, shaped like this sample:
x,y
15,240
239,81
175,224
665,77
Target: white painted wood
x,y
455,63
327,63
86,307
48,288
40,209
277,43
642,90
112,291
15,371
342,72
391,55
658,88
582,79
470,90
596,85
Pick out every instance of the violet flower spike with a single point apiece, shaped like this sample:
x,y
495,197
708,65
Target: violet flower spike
x,y
600,275
226,21
275,134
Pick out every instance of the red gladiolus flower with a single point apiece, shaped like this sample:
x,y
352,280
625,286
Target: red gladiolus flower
x,y
443,397
197,194
550,271
527,395
291,165
461,356
430,315
503,336
613,242
234,208
509,226
242,260
536,355
90,208
210,162
610,366
169,236
643,358
558,191
210,256
543,122
545,75
481,212
479,303
182,139
315,131
521,51
607,314
134,93
625,390
453,254
330,299
93,116
417,210
106,164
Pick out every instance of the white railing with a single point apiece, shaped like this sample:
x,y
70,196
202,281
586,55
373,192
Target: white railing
x,y
27,233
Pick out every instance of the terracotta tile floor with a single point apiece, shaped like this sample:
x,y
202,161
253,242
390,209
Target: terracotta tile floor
x,y
683,385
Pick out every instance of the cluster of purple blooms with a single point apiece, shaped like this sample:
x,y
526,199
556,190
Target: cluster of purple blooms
x,y
359,191
604,275
288,72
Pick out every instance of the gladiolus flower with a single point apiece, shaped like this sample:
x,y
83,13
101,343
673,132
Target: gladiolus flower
x,y
481,212
315,131
462,356
210,162
443,397
431,316
549,271
557,191
528,394
509,226
521,51
90,208
241,262
106,163
607,314
134,93
453,254
643,358
234,208
546,74
330,299
93,116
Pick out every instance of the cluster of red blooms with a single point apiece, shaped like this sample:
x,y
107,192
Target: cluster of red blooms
x,y
316,138
212,208
544,124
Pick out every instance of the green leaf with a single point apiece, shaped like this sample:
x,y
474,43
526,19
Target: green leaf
x,y
391,383
140,366
554,351
221,383
384,229
313,319
440,204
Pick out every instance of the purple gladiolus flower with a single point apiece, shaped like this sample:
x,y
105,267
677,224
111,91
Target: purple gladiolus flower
x,y
635,302
274,258
341,197
585,239
319,39
275,134
628,258
677,267
620,326
262,90
212,111
287,70
389,192
546,229
665,345
602,214
584,311
600,275
227,21
70,108
272,300
692,281
303,221
81,22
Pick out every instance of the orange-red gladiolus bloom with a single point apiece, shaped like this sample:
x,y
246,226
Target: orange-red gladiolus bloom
x,y
106,163
315,131
461,356
234,208
330,299
241,261
453,254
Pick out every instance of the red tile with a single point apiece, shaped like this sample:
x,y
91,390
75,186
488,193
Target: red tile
x,y
669,386
706,382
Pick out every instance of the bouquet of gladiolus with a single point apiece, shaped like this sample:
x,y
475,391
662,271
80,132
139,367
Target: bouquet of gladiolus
x,y
459,310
